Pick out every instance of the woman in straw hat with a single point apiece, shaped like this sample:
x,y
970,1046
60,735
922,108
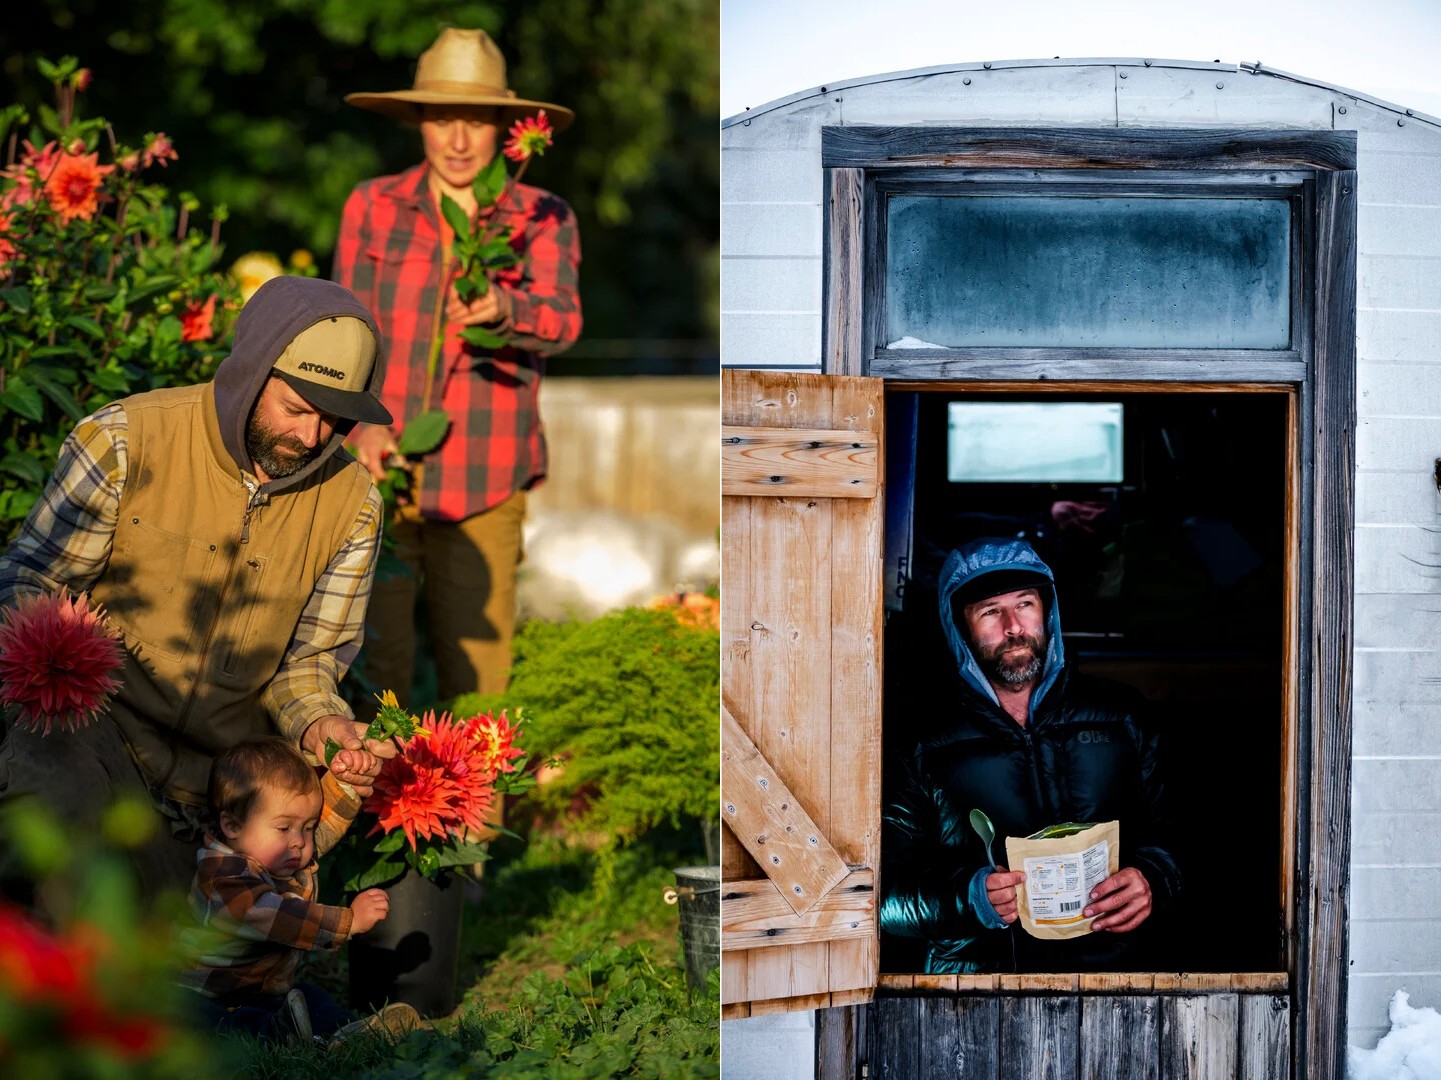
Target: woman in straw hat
x,y
462,534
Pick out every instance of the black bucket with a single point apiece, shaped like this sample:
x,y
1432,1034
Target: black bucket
x,y
697,894
412,954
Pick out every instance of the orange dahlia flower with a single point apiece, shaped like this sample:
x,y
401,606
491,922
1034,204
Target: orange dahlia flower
x,y
197,322
73,188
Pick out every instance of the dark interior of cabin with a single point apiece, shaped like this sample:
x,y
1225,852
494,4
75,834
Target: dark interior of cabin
x,y
1162,515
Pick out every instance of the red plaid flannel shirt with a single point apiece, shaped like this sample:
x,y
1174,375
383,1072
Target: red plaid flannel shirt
x,y
389,255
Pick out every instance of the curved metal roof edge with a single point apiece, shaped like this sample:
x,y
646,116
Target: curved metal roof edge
x,y
941,69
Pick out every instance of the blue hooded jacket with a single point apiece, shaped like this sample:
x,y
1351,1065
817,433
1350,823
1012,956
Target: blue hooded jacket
x,y
975,560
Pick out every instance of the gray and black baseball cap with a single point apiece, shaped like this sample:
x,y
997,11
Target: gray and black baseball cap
x,y
329,365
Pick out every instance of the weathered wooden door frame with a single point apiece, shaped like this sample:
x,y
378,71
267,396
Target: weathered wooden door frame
x,y
1321,365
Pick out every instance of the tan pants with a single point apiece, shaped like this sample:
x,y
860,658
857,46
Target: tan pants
x,y
467,570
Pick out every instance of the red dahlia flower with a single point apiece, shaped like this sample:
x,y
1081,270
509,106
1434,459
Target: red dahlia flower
x,y
197,322
454,747
413,796
529,136
74,186
58,661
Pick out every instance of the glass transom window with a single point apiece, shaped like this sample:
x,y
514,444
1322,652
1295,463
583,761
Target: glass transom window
x,y
1087,271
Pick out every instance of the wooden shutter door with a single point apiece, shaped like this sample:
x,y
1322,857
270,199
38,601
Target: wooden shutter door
x,y
802,525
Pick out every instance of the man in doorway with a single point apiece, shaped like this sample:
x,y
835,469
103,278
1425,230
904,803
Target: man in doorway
x,y
1032,743
233,542
460,535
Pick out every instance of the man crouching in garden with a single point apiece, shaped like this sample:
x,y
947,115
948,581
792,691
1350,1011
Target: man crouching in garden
x,y
233,543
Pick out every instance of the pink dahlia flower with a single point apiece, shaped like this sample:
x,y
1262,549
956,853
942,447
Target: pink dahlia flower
x,y
58,662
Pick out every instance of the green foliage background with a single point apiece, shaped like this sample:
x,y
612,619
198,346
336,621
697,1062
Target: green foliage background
x,y
252,95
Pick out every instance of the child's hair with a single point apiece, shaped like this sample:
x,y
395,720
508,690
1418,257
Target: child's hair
x,y
247,768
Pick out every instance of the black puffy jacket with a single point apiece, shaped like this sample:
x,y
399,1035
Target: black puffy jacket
x,y
1088,753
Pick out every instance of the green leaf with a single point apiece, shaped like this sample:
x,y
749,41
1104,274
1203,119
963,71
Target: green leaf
x,y
17,299
87,325
386,870
49,119
482,338
160,283
490,182
20,397
391,841
454,216
424,433
464,854
52,389
26,467
111,380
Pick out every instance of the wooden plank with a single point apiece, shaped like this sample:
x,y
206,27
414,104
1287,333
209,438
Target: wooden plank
x,y
958,1037
853,997
841,328
1040,1037
1264,1045
988,984
896,982
796,1003
840,1038
857,566
736,668
1120,1038
896,1050
772,824
1199,981
799,463
1066,386
755,915
735,978
787,615
884,147
1038,982
1013,364
935,983
1263,982
1198,1036
739,1010
1166,981
1119,982
1321,1035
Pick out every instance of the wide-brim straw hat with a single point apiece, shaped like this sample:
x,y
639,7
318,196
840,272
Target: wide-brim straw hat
x,y
461,67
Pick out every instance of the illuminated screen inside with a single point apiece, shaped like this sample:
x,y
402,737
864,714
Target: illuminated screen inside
x,y
1029,442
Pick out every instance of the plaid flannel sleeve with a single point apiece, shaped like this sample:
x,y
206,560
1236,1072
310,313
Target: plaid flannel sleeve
x,y
66,539
337,812
329,632
545,313
244,905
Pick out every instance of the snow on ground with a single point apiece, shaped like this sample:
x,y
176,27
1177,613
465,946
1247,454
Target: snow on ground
x,y
1411,1050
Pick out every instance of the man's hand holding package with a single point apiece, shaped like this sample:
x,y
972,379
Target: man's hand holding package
x,y
359,769
1122,902
1001,892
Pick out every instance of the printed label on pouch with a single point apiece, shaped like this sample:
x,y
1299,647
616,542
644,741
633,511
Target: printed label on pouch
x,y
1058,886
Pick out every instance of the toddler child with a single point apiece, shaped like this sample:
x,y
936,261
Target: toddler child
x,y
255,894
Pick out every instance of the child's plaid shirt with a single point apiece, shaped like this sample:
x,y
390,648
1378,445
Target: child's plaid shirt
x,y
389,254
254,928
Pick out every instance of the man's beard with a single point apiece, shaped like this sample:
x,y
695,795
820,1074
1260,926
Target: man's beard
x,y
1016,669
267,450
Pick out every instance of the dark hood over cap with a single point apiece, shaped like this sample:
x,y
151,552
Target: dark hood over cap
x,y
279,311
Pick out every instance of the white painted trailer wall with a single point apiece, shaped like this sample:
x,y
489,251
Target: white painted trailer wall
x,y
771,242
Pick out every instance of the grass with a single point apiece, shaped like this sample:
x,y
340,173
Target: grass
x,y
563,977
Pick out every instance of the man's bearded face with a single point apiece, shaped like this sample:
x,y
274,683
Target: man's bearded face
x,y
1016,661
279,455
1007,634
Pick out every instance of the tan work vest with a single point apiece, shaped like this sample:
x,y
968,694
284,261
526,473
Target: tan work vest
x,y
207,589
